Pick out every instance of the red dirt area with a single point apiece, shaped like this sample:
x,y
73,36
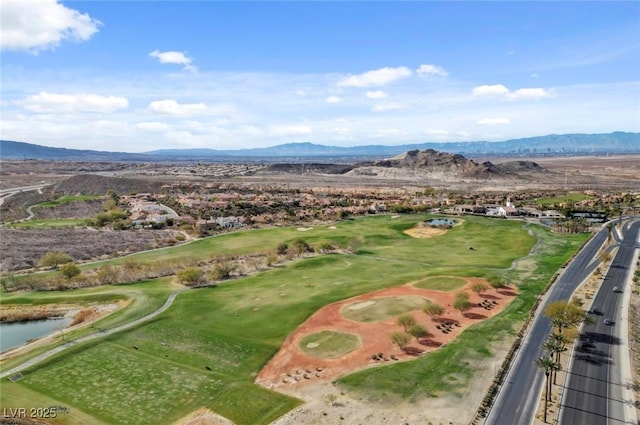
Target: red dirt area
x,y
291,367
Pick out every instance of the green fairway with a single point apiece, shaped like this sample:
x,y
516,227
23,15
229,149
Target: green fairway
x,y
57,222
441,283
329,344
207,349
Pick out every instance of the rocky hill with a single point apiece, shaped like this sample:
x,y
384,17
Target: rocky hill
x,y
427,162
432,161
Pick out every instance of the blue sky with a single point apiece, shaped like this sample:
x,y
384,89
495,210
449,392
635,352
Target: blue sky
x,y
142,75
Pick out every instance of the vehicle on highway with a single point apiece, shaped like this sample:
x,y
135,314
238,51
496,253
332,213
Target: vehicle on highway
x,y
615,289
595,310
609,322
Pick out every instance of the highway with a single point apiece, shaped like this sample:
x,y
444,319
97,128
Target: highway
x,y
518,397
597,391
5,193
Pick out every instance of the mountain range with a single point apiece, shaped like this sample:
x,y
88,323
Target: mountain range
x,y
554,144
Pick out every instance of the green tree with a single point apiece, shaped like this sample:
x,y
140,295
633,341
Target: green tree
x,y
564,314
401,339
418,331
497,284
69,271
479,287
190,276
554,349
406,321
461,302
546,364
434,310
54,259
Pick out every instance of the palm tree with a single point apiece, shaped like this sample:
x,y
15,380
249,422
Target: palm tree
x,y
554,348
546,364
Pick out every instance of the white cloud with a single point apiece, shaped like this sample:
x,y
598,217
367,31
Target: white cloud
x,y
531,93
521,94
437,132
339,130
289,130
391,132
427,69
171,107
490,90
68,103
378,77
116,128
382,107
173,57
493,121
35,25
378,94
334,99
152,126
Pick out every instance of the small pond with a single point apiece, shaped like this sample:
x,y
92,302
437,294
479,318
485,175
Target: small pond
x,y
16,334
441,222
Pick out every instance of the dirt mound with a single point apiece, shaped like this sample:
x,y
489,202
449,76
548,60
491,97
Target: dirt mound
x,y
520,166
291,368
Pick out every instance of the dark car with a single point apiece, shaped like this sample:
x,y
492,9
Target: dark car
x,y
595,310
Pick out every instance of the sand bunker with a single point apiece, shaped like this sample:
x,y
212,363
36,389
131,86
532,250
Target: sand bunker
x,y
312,345
361,305
304,229
425,232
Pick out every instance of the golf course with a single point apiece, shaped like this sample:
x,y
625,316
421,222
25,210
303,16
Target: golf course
x,y
208,348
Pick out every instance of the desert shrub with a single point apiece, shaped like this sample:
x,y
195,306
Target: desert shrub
x,y
190,276
270,259
325,246
108,275
82,316
282,248
300,246
222,270
69,271
54,259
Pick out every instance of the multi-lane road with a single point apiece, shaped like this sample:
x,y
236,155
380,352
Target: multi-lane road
x,y
597,391
5,193
517,400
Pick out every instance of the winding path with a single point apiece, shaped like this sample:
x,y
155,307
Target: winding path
x,y
99,334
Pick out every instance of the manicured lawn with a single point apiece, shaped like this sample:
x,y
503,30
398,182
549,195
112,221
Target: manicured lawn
x,y
329,344
58,222
67,200
207,349
382,309
441,283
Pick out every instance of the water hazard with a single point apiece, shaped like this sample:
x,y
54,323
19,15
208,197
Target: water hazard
x,y
17,334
